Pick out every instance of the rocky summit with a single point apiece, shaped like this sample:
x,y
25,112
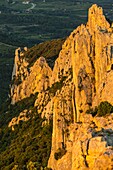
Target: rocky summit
x,y
76,94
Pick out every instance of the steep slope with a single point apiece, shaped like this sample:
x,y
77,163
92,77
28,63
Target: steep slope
x,y
24,142
89,52
80,80
31,68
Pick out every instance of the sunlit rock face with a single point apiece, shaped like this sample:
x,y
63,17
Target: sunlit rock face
x,y
29,80
92,59
89,51
89,145
82,77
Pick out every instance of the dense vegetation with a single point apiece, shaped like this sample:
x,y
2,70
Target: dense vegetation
x,y
48,49
30,142
103,109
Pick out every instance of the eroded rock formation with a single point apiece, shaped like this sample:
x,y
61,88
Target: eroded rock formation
x,y
89,145
27,80
90,48
82,77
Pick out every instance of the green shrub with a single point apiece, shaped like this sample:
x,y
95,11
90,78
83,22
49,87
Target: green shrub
x,y
57,86
104,108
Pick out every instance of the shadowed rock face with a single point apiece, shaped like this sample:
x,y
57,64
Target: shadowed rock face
x,y
82,77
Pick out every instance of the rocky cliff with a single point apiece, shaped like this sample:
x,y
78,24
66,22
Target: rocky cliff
x,y
89,53
81,79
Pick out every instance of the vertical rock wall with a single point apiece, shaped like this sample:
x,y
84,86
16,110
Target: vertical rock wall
x,y
88,51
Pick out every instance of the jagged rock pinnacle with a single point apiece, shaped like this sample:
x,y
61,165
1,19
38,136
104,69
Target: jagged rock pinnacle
x,y
96,19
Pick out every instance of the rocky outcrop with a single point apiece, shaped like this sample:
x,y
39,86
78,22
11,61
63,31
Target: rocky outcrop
x,y
82,77
89,53
20,64
30,80
89,145
91,59
23,116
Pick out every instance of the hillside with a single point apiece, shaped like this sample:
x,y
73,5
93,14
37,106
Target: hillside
x,y
60,111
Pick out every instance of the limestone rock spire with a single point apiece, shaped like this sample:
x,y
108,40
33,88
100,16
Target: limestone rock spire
x,y
96,19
